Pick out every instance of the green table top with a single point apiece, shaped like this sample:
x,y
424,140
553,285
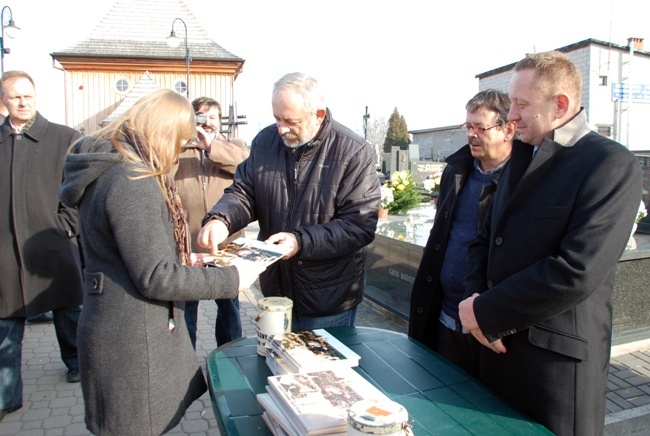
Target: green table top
x,y
440,397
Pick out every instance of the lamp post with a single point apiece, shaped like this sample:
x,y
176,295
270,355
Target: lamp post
x,y
11,27
173,42
365,124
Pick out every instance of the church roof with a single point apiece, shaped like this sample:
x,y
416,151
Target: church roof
x,y
139,29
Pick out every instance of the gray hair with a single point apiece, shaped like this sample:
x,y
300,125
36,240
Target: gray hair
x,y
7,75
307,87
494,100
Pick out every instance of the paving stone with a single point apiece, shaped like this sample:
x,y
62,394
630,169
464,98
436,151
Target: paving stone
x,y
638,380
194,425
65,402
645,389
35,414
616,399
54,422
76,430
629,393
641,400
611,406
618,382
33,426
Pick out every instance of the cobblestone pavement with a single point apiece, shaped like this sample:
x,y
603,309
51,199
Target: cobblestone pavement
x,y
51,406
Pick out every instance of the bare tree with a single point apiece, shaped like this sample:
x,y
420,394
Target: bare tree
x,y
376,133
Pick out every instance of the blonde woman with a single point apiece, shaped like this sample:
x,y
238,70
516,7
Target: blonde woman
x,y
139,372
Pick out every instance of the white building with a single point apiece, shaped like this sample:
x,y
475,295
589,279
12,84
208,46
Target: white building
x,y
608,72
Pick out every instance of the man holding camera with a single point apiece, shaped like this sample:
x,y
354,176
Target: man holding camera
x,y
205,169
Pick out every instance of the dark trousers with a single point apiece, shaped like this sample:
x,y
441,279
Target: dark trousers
x,y
228,325
459,348
12,331
65,323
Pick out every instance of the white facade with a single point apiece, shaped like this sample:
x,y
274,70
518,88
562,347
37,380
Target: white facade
x,y
603,65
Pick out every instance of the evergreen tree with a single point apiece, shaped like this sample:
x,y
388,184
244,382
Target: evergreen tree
x,y
397,134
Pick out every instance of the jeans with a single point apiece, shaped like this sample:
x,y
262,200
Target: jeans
x,y
343,319
228,325
12,332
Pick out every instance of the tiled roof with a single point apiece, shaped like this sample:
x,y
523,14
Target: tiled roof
x,y
139,29
143,87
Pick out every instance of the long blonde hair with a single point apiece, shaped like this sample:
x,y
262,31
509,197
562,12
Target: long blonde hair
x,y
164,120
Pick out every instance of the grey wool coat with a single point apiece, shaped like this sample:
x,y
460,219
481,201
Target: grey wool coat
x,y
39,260
138,377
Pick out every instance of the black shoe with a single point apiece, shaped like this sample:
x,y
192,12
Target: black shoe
x,y
43,317
8,410
73,376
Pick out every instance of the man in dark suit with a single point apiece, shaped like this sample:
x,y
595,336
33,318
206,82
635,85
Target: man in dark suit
x,y
539,290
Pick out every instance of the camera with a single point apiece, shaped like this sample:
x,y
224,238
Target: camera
x,y
201,118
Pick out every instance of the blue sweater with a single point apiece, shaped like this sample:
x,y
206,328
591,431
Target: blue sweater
x,y
463,231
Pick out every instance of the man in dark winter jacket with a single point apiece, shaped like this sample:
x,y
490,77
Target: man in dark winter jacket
x,y
39,264
466,190
312,185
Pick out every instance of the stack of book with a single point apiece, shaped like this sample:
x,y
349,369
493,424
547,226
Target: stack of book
x,y
308,351
314,403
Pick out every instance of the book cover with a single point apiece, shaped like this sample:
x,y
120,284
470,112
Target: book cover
x,y
319,401
276,363
313,350
244,250
276,420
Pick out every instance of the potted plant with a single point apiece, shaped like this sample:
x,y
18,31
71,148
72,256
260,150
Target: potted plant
x,y
405,194
432,185
385,202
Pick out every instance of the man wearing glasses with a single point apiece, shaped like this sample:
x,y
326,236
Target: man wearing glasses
x,y
466,189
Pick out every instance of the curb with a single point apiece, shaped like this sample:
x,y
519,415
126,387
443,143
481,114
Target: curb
x,y
628,422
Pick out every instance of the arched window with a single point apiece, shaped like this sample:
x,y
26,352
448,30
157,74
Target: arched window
x,y
180,86
122,86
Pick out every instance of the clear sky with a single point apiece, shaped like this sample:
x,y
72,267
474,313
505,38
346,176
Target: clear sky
x,y
420,56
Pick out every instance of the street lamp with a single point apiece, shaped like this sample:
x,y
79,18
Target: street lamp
x,y
365,124
173,41
11,28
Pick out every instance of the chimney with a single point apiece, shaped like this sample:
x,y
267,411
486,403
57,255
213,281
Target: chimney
x,y
635,43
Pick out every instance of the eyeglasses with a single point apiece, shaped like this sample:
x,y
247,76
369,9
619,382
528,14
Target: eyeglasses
x,y
477,129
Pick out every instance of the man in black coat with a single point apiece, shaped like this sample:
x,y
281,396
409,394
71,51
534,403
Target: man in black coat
x,y
312,185
39,263
539,291
467,185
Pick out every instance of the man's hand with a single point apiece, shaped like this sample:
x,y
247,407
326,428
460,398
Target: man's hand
x,y
287,240
213,233
468,319
203,139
